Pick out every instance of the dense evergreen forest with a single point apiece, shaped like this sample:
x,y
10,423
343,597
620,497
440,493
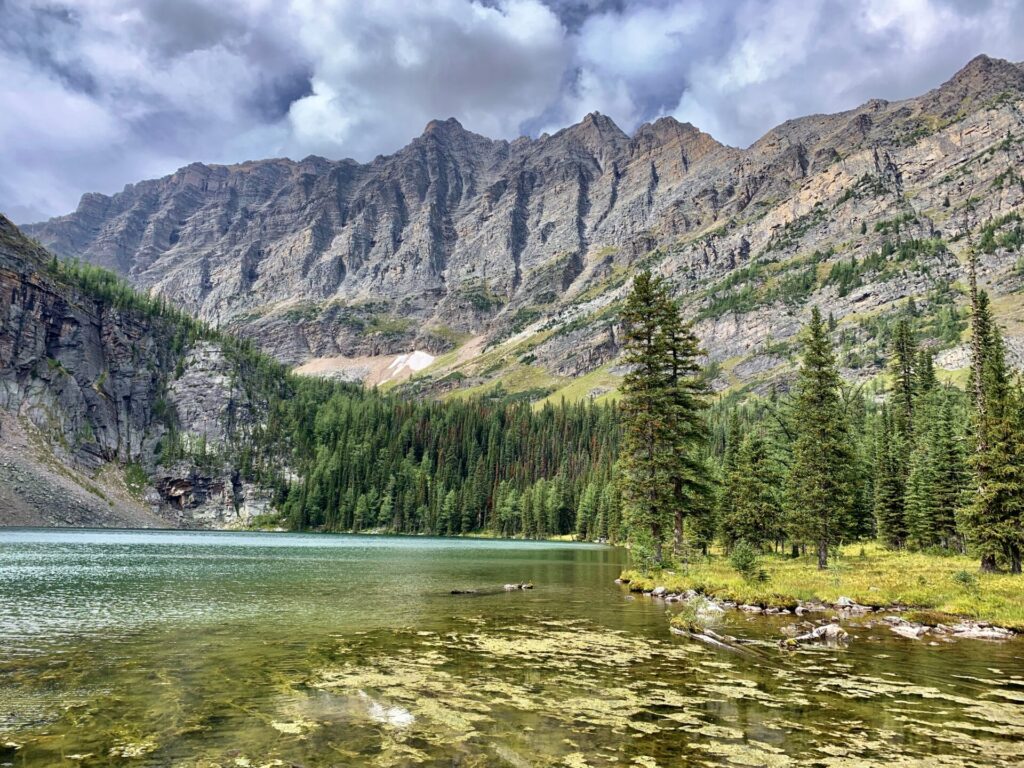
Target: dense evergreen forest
x,y
905,459
909,461
372,462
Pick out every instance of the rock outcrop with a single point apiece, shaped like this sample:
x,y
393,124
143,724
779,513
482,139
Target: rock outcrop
x,y
90,388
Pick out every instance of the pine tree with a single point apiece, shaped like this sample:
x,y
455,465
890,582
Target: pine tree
x,y
726,501
448,519
992,518
819,489
890,489
586,514
662,473
949,474
904,357
919,503
756,481
924,374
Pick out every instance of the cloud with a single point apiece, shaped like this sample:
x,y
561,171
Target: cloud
x,y
99,93
382,73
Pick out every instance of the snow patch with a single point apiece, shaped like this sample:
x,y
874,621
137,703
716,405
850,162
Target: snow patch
x,y
415,361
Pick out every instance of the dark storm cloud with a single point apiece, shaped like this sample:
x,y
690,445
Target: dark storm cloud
x,y
97,93
39,35
573,13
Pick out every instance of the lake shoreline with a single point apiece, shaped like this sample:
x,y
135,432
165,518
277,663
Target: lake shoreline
x,y
922,624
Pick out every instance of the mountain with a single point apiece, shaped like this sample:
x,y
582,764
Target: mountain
x,y
119,410
97,382
507,260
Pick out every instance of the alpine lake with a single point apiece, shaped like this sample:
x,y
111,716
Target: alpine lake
x,y
163,648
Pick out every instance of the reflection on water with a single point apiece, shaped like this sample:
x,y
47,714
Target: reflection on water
x,y
177,649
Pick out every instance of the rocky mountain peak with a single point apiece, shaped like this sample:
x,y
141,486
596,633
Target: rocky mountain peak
x,y
982,79
451,125
595,129
690,140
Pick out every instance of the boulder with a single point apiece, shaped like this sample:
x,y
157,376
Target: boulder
x,y
708,611
980,631
909,630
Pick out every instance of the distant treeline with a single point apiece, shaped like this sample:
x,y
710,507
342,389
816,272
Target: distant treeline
x,y
374,462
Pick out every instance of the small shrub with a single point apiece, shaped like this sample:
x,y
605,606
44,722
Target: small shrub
x,y
642,555
745,560
694,616
967,580
136,479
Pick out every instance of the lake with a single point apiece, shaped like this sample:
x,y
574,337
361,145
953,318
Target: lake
x,y
143,648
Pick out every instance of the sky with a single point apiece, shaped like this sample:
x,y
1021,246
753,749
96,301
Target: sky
x,y
95,94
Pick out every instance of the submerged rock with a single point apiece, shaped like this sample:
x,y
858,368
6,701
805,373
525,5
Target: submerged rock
x,y
980,631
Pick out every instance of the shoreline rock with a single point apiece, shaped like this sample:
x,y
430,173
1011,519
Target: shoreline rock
x,y
846,608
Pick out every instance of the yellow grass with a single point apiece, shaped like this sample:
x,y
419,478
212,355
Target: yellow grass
x,y
868,574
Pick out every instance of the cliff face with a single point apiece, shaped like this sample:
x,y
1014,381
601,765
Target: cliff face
x,y
87,388
457,235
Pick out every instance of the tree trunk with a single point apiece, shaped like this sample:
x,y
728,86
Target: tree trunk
x,y
1014,559
795,551
822,555
988,563
656,535
677,534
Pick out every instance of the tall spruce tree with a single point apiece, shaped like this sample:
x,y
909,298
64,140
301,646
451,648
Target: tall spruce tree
x,y
919,504
663,427
904,358
949,473
726,497
993,517
819,492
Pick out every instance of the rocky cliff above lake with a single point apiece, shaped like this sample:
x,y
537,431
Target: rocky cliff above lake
x,y
518,252
95,383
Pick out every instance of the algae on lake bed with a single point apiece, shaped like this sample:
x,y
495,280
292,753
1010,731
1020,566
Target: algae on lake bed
x,y
574,674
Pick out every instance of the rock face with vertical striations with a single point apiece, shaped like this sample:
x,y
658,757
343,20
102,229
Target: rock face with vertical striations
x,y
457,235
89,387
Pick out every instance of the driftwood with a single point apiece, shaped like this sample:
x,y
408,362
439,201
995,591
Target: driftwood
x,y
715,640
828,634
493,590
